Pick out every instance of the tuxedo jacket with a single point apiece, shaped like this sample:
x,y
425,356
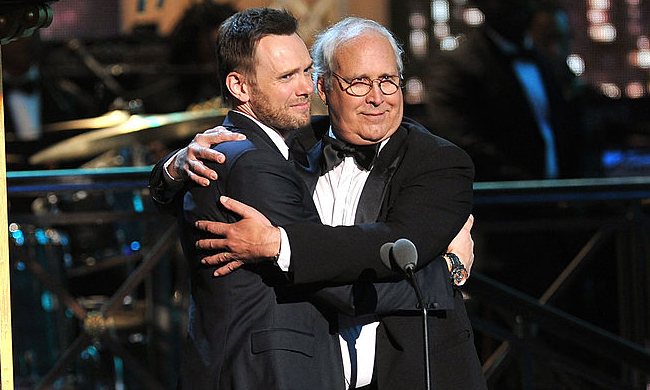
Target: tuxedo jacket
x,y
254,329
477,101
251,329
419,188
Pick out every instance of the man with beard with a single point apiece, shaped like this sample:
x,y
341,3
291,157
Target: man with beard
x,y
254,329
412,185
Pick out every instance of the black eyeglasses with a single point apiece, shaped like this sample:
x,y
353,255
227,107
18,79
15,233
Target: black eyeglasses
x,y
362,86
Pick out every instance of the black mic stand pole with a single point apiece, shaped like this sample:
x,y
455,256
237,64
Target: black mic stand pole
x,y
427,368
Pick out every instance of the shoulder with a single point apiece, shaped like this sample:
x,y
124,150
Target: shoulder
x,y
252,150
234,149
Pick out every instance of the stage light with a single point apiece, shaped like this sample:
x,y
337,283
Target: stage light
x,y
417,20
634,90
419,43
643,58
449,44
611,90
605,32
576,64
473,17
440,10
441,30
414,91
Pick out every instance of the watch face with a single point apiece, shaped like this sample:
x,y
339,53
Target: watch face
x,y
459,275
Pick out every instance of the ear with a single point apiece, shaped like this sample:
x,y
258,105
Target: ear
x,y
236,84
322,91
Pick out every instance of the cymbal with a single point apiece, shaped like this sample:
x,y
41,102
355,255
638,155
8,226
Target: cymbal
x,y
129,316
110,119
137,129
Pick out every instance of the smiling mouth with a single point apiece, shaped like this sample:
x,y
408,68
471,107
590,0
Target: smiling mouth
x,y
374,114
301,106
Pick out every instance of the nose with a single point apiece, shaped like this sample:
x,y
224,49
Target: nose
x,y
375,96
307,85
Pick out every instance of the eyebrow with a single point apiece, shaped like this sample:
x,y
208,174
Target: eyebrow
x,y
365,76
297,69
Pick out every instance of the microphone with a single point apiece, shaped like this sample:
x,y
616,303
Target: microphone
x,y
401,253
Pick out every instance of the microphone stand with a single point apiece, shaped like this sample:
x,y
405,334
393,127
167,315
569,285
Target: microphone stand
x,y
411,275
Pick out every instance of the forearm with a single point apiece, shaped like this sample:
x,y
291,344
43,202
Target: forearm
x,y
380,299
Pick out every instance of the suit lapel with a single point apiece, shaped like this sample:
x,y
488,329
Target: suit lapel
x,y
307,150
311,172
374,191
306,147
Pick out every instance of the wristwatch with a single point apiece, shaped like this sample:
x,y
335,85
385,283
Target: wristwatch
x,y
458,272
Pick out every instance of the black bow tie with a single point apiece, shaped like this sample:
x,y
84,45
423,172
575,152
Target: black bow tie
x,y
334,151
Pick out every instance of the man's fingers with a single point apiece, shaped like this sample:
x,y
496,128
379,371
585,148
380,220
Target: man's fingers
x,y
218,228
217,259
212,244
226,265
200,180
217,135
199,168
198,152
242,209
210,155
228,268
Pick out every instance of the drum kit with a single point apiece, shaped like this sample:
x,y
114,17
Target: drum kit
x,y
62,265
84,298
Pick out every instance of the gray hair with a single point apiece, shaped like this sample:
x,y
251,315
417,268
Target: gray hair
x,y
328,41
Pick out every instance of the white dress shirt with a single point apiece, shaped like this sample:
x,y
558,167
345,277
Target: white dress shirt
x,y
336,198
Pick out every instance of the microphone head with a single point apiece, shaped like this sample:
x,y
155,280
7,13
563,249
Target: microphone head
x,y
405,253
384,254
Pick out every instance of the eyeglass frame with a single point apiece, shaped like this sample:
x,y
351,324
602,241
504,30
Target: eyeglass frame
x,y
372,85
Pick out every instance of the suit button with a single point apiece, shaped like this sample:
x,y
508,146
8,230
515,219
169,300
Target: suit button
x,y
433,305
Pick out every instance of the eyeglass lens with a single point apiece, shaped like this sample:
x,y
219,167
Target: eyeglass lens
x,y
361,88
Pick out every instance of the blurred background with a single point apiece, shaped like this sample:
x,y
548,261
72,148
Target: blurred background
x,y
551,99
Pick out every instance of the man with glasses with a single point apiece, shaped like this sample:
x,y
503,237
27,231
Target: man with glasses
x,y
375,177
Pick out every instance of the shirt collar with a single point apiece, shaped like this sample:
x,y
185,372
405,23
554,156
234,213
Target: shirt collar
x,y
277,139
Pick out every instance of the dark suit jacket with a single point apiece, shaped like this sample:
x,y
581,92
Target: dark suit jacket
x,y
477,102
252,329
420,188
428,201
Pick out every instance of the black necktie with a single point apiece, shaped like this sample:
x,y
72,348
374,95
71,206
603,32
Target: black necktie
x,y
334,151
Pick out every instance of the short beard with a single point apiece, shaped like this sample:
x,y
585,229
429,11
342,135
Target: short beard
x,y
276,118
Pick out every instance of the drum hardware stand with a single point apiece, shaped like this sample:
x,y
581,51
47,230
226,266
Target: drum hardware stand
x,y
96,324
